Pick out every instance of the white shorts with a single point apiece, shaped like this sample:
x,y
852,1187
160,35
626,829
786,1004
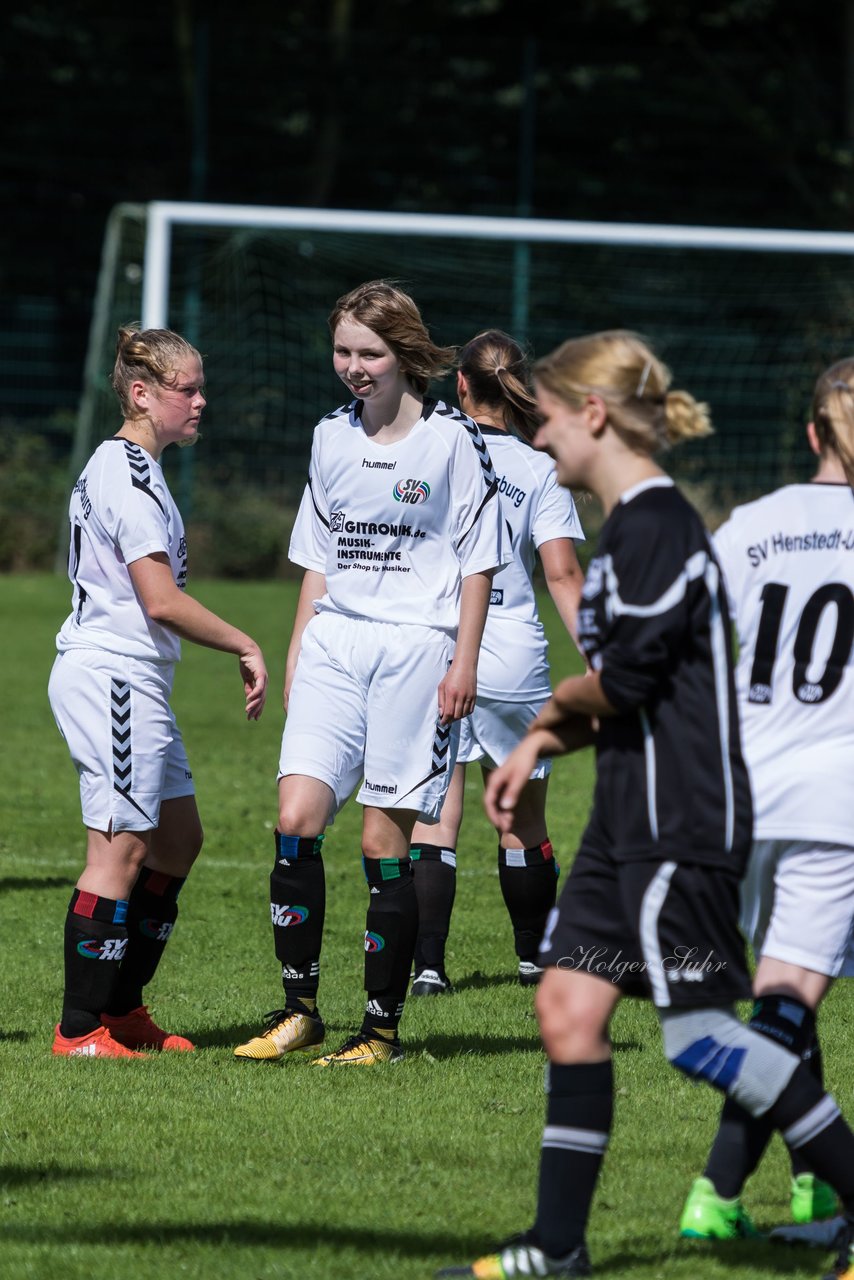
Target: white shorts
x,y
364,706
797,904
494,728
114,715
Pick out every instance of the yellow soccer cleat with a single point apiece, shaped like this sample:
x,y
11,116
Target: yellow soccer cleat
x,y
285,1031
362,1051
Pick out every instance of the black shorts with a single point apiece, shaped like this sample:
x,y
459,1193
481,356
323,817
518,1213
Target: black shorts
x,y
667,931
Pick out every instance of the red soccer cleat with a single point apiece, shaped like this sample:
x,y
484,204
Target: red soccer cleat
x,y
96,1044
137,1030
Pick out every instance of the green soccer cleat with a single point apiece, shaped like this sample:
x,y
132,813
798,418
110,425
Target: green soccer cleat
x,y
812,1199
708,1216
286,1031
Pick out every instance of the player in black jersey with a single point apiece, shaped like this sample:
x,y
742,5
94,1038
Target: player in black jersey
x,y
650,906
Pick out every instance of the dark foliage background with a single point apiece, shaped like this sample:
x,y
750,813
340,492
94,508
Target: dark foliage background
x,y
723,112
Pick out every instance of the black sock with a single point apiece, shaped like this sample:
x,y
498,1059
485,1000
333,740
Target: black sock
x,y
95,942
812,1059
298,909
152,912
741,1138
810,1122
578,1124
435,871
390,931
528,879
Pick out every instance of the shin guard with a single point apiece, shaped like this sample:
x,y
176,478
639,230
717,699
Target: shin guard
x,y
528,879
95,945
297,909
390,931
435,871
152,912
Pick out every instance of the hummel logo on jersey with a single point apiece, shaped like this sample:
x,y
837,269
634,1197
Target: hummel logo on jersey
x,y
382,788
109,949
380,466
285,916
413,491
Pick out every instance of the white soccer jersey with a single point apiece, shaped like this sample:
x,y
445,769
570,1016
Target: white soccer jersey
x,y
788,562
513,662
120,511
395,527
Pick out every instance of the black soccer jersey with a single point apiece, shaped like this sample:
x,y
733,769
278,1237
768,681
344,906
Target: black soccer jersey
x,y
671,781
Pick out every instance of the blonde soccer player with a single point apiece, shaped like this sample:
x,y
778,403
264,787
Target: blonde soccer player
x,y
109,691
650,906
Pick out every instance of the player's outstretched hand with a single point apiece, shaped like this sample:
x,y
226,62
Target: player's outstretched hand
x,y
506,782
253,672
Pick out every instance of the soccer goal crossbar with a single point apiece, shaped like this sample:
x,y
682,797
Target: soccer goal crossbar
x,y
745,317
163,215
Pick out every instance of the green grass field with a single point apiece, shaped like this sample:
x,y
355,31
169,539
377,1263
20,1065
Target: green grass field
x,y
201,1166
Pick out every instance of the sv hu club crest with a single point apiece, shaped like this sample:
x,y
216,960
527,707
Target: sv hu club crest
x,y
412,491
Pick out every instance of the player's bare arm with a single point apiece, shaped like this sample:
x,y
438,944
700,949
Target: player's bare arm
x,y
564,580
167,605
575,696
313,588
458,690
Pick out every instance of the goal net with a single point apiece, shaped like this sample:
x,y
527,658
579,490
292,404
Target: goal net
x,y
746,319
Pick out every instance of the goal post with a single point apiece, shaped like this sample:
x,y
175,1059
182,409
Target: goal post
x,y
745,317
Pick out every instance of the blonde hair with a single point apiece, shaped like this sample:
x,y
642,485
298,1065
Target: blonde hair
x,y
154,355
621,368
499,378
383,307
833,413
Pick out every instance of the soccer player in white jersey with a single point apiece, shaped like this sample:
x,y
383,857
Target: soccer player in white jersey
x,y
788,561
650,905
513,682
109,691
399,532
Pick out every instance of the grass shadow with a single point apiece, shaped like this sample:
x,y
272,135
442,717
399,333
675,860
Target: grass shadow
x,y
250,1234
12,1175
8,884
